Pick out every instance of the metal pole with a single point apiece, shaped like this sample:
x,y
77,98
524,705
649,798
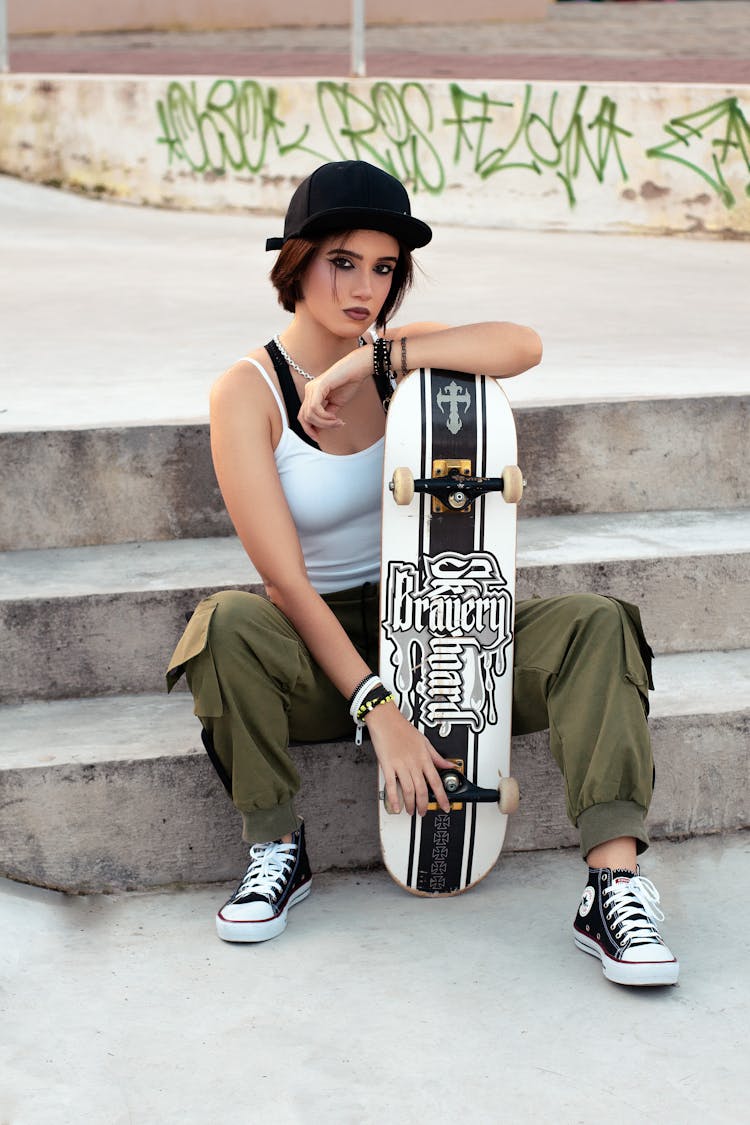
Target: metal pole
x,y
4,66
358,38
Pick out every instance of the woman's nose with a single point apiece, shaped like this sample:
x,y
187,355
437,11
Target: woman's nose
x,y
362,284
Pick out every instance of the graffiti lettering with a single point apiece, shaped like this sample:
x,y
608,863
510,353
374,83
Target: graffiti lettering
x,y
733,139
234,129
238,126
390,128
471,130
539,142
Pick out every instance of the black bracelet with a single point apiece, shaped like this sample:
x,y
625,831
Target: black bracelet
x,y
381,357
372,700
360,685
404,368
381,369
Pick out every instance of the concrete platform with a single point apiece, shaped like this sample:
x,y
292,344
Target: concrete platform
x,y
126,315
375,1006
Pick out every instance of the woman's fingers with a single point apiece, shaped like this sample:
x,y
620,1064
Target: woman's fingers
x,y
392,799
327,393
439,761
406,788
313,424
418,785
317,411
436,785
409,763
420,796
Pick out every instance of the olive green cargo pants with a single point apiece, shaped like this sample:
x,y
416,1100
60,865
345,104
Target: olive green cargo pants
x,y
581,669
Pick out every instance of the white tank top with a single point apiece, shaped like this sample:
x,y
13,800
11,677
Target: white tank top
x,y
335,503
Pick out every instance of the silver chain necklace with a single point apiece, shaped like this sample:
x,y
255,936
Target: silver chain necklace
x,y
300,370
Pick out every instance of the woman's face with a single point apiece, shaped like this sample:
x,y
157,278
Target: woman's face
x,y
349,279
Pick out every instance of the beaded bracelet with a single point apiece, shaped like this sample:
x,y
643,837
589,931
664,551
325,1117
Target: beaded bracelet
x,y
377,696
404,367
369,695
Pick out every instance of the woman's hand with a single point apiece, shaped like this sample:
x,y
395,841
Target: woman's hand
x,y
326,394
408,761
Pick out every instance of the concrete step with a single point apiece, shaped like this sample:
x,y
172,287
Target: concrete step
x,y
116,793
76,487
86,621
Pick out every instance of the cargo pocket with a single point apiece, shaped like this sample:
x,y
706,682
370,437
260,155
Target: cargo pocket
x,y
639,655
193,655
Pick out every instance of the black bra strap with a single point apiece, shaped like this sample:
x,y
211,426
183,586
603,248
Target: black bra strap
x,y
289,393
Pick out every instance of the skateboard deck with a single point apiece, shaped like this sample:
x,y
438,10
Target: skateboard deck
x,y
447,603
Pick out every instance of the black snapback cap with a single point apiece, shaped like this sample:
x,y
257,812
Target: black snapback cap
x,y
351,195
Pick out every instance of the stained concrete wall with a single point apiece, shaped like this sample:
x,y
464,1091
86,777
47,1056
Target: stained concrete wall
x,y
544,155
30,16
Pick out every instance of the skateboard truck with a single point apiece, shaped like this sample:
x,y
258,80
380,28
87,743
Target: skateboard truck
x,y
453,487
461,791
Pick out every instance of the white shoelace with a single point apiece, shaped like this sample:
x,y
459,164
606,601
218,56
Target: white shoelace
x,y
636,906
269,866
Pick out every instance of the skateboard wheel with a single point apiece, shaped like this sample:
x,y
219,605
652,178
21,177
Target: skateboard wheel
x,y
508,794
402,486
387,804
512,484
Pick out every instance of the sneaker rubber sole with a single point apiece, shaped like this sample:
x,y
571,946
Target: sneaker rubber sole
x,y
263,929
639,973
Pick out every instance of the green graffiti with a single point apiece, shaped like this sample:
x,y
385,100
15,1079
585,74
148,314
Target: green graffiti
x,y
390,127
731,137
473,113
539,142
236,128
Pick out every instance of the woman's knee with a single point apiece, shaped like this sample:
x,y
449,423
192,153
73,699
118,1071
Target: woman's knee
x,y
236,612
249,636
595,611
606,632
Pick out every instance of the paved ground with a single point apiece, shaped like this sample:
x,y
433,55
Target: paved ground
x,y
701,41
376,1007
127,314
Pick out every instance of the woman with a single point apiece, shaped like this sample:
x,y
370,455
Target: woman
x,y
297,440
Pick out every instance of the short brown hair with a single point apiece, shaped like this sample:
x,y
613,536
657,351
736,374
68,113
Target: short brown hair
x,y
297,254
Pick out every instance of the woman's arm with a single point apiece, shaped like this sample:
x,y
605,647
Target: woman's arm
x,y
497,349
242,409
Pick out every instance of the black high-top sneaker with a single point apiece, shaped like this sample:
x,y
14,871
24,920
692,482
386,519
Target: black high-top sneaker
x,y
277,877
616,921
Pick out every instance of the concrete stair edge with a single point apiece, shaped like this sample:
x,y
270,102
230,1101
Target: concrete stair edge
x,y
158,815
543,541
87,643
99,485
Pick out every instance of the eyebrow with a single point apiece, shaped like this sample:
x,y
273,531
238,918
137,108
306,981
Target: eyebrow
x,y
359,257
